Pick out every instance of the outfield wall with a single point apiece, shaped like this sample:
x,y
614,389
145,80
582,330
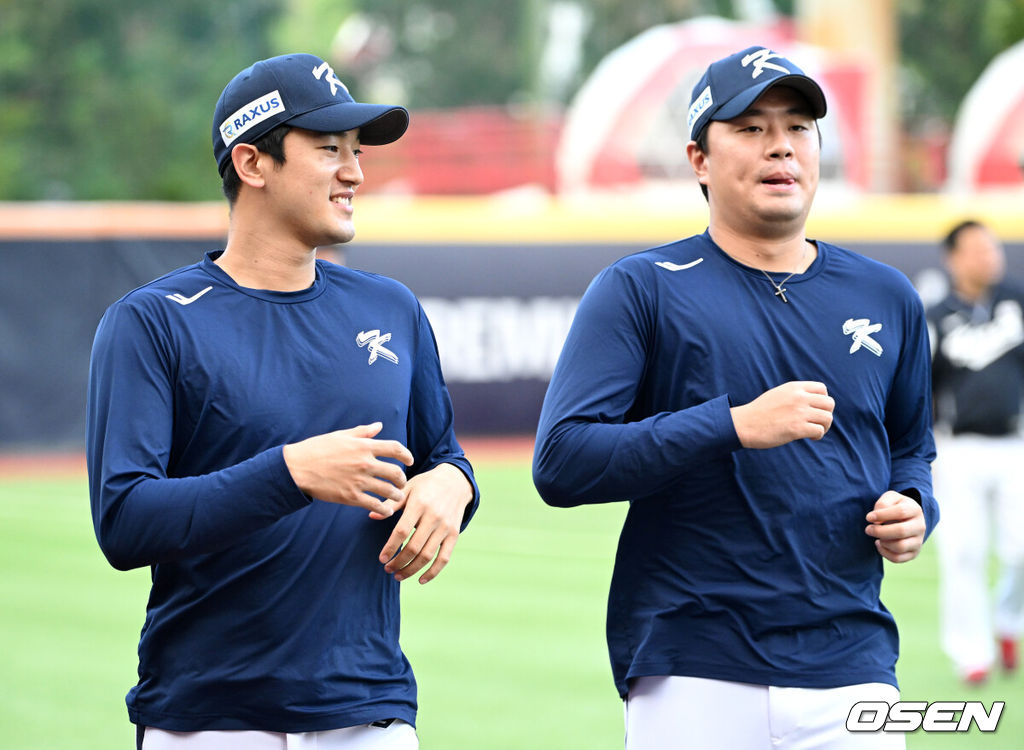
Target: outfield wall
x,y
499,279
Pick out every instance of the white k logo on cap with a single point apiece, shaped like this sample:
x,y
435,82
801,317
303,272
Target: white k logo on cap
x,y
760,60
318,73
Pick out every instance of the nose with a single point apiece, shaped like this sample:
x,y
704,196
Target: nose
x,y
779,145
350,171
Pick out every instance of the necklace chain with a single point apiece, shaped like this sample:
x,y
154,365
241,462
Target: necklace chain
x,y
780,289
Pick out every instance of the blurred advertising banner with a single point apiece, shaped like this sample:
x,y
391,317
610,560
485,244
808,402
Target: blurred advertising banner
x,y
500,315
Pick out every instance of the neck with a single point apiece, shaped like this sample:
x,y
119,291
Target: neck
x,y
788,254
256,260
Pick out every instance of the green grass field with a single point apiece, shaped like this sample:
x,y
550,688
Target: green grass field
x,y
508,644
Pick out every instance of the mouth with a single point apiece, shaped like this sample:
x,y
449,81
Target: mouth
x,y
779,180
344,202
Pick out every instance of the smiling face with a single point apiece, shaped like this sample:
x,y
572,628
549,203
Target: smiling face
x,y
311,192
761,168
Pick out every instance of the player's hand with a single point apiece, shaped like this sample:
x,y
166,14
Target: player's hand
x,y
788,412
345,467
426,533
897,524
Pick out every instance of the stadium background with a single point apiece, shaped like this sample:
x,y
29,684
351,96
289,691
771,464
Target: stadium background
x,y
473,213
500,280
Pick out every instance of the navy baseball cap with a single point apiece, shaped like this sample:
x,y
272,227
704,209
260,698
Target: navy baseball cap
x,y
303,91
731,85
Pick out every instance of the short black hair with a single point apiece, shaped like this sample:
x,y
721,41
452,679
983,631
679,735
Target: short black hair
x,y
272,144
953,236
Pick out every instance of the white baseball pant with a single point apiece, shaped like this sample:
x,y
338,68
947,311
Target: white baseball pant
x,y
398,736
980,493
692,713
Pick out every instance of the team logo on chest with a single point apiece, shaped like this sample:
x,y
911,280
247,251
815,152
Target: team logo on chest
x,y
861,330
374,343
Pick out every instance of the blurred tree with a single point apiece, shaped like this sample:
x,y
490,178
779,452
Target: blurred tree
x,y
945,45
444,53
310,26
1004,23
105,99
440,53
615,22
111,99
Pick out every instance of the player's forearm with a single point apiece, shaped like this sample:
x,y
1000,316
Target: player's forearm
x,y
911,476
431,436
143,520
578,461
909,425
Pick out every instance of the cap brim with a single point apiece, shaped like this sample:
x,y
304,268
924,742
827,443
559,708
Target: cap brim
x,y
801,83
378,124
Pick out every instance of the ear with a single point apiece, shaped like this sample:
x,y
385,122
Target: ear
x,y
248,164
698,162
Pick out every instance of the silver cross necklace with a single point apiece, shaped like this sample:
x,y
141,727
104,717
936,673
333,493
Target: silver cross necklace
x,y
780,290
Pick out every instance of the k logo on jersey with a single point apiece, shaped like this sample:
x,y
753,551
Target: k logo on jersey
x,y
861,330
374,343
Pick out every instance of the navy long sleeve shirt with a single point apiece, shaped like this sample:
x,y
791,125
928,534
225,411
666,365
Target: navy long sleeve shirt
x,y
738,564
269,609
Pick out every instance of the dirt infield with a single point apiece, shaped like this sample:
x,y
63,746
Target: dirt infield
x,y
511,449
41,465
484,449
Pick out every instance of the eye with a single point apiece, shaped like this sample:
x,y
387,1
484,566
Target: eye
x,y
332,149
357,152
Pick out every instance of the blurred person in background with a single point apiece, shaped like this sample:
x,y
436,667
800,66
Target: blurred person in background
x,y
977,337
698,382
271,434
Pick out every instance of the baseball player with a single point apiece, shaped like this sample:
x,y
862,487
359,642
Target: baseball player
x,y
978,380
272,436
762,401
